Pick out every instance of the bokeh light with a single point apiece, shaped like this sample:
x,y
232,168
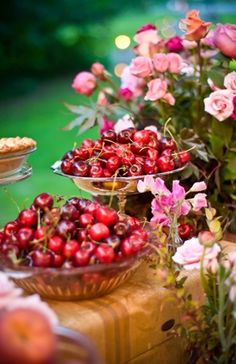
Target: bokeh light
x,y
119,68
122,41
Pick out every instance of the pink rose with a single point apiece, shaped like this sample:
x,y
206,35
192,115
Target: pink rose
x,y
169,98
107,125
147,34
132,82
189,44
220,104
98,70
160,62
84,83
230,81
174,44
233,116
156,89
102,100
225,39
125,93
175,62
141,67
189,254
194,27
199,201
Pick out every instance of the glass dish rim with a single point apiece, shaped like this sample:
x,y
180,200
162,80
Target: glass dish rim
x,y
20,153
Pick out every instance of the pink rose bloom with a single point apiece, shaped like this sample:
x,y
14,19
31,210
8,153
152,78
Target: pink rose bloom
x,y
225,39
147,34
220,104
198,186
156,89
174,44
175,62
133,83
189,254
107,125
98,70
233,116
230,81
199,201
160,62
125,93
8,291
189,44
141,67
84,83
169,98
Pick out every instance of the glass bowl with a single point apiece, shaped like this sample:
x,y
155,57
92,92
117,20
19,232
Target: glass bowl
x,y
67,284
24,172
74,348
11,163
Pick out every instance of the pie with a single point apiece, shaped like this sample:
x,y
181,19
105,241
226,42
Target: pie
x,y
17,144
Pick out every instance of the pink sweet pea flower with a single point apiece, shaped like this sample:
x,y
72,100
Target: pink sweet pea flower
x,y
220,104
141,67
189,255
230,81
160,62
107,125
156,89
169,98
146,184
126,94
84,83
199,201
198,186
175,62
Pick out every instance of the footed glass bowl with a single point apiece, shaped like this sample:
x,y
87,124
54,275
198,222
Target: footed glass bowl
x,y
67,284
11,163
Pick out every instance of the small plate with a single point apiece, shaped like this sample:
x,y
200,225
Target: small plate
x,y
24,172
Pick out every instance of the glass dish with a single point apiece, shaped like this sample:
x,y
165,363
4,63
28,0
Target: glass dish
x,y
74,348
67,284
24,172
11,163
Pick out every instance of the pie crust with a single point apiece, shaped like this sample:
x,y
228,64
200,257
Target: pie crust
x,y
15,145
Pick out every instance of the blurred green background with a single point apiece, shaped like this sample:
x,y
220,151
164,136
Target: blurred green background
x,y
43,45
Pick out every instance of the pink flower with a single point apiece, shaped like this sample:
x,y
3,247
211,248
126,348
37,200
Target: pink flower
x,y
141,67
175,62
147,34
220,104
146,184
233,116
156,89
123,123
189,255
107,125
174,44
102,100
225,39
194,27
159,217
126,94
8,291
98,70
199,201
169,98
160,62
230,81
189,44
133,83
198,186
84,83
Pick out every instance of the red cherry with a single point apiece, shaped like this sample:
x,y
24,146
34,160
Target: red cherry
x,y
1,237
138,148
137,242
91,208
109,136
113,163
141,233
81,258
150,166
99,231
68,155
107,173
121,228
107,152
41,258
133,222
89,246
66,166
142,136
43,201
73,201
125,136
86,220
135,170
65,228
105,254
80,153
152,154
127,158
98,145
87,143
57,260
56,244
80,168
126,248
139,160
24,236
51,217
82,204
96,162
10,229
153,143
82,235
184,231
106,215
165,164
27,217
113,241
167,152
168,143
184,156
70,248
69,212
41,233
96,171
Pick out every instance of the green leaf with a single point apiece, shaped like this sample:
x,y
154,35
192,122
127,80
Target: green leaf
x,y
77,109
74,123
191,140
223,130
229,170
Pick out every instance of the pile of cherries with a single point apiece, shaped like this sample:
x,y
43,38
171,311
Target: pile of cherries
x,y
128,153
79,233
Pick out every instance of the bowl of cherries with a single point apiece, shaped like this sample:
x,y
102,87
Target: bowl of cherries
x,y
117,161
74,249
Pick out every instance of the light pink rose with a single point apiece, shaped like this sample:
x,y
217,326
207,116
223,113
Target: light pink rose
x,y
189,44
156,89
220,104
199,201
141,67
230,81
175,62
84,83
198,186
189,254
147,34
160,62
133,83
169,98
98,70
225,39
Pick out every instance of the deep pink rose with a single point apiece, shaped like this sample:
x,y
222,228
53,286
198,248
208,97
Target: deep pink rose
x,y
220,104
175,62
98,70
141,67
174,44
147,34
233,116
156,89
160,62
84,83
225,39
107,125
230,81
126,94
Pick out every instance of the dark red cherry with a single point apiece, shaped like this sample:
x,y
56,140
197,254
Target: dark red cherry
x,y
43,201
125,136
57,260
27,217
105,254
152,153
91,208
150,166
107,152
1,237
81,258
85,220
121,228
135,170
66,166
98,144
127,158
41,258
82,235
80,153
169,143
141,136
113,241
167,152
184,156
41,233
87,143
24,236
99,231
165,164
138,148
80,168
108,136
56,244
184,231
113,163
82,204
70,248
96,171
69,212
106,215
65,228
68,155
10,229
